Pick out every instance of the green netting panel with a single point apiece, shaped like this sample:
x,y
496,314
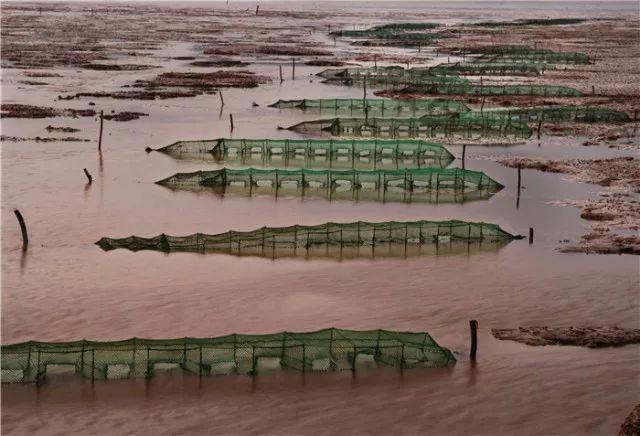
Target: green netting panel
x,y
524,53
500,69
477,89
331,240
531,22
324,350
576,114
433,185
389,35
388,78
406,26
304,153
470,126
380,106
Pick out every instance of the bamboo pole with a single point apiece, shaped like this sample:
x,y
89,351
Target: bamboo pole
x,y
23,227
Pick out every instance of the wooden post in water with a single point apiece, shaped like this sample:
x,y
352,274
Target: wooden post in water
x,y
539,127
464,152
530,235
86,173
221,99
257,8
473,325
281,78
375,62
593,90
231,121
23,227
293,68
519,182
100,137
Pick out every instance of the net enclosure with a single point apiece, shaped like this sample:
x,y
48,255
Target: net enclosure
x,y
380,106
429,185
576,114
469,126
523,53
338,240
330,349
479,89
497,68
316,152
396,79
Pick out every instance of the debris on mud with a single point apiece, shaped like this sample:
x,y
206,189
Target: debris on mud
x,y
205,82
117,67
631,425
592,337
279,50
325,63
51,128
13,110
32,82
4,138
40,74
125,116
219,63
133,95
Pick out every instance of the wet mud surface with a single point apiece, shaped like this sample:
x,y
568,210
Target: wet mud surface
x,y
592,337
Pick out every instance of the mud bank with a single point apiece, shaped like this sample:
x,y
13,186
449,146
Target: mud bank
x,y
631,425
592,337
4,138
29,111
125,116
614,217
623,172
204,82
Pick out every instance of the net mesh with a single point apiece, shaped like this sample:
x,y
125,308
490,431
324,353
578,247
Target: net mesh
x,y
307,153
577,114
329,240
377,105
497,68
520,53
478,89
324,350
471,126
436,185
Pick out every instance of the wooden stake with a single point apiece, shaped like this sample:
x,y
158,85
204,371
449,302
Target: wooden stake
x,y
100,137
293,69
519,178
539,127
530,235
281,78
464,152
23,227
221,99
473,325
231,120
257,8
86,173
375,62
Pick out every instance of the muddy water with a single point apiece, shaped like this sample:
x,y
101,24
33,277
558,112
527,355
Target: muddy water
x,y
64,287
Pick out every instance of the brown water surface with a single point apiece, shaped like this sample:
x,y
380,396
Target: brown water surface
x,y
64,287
